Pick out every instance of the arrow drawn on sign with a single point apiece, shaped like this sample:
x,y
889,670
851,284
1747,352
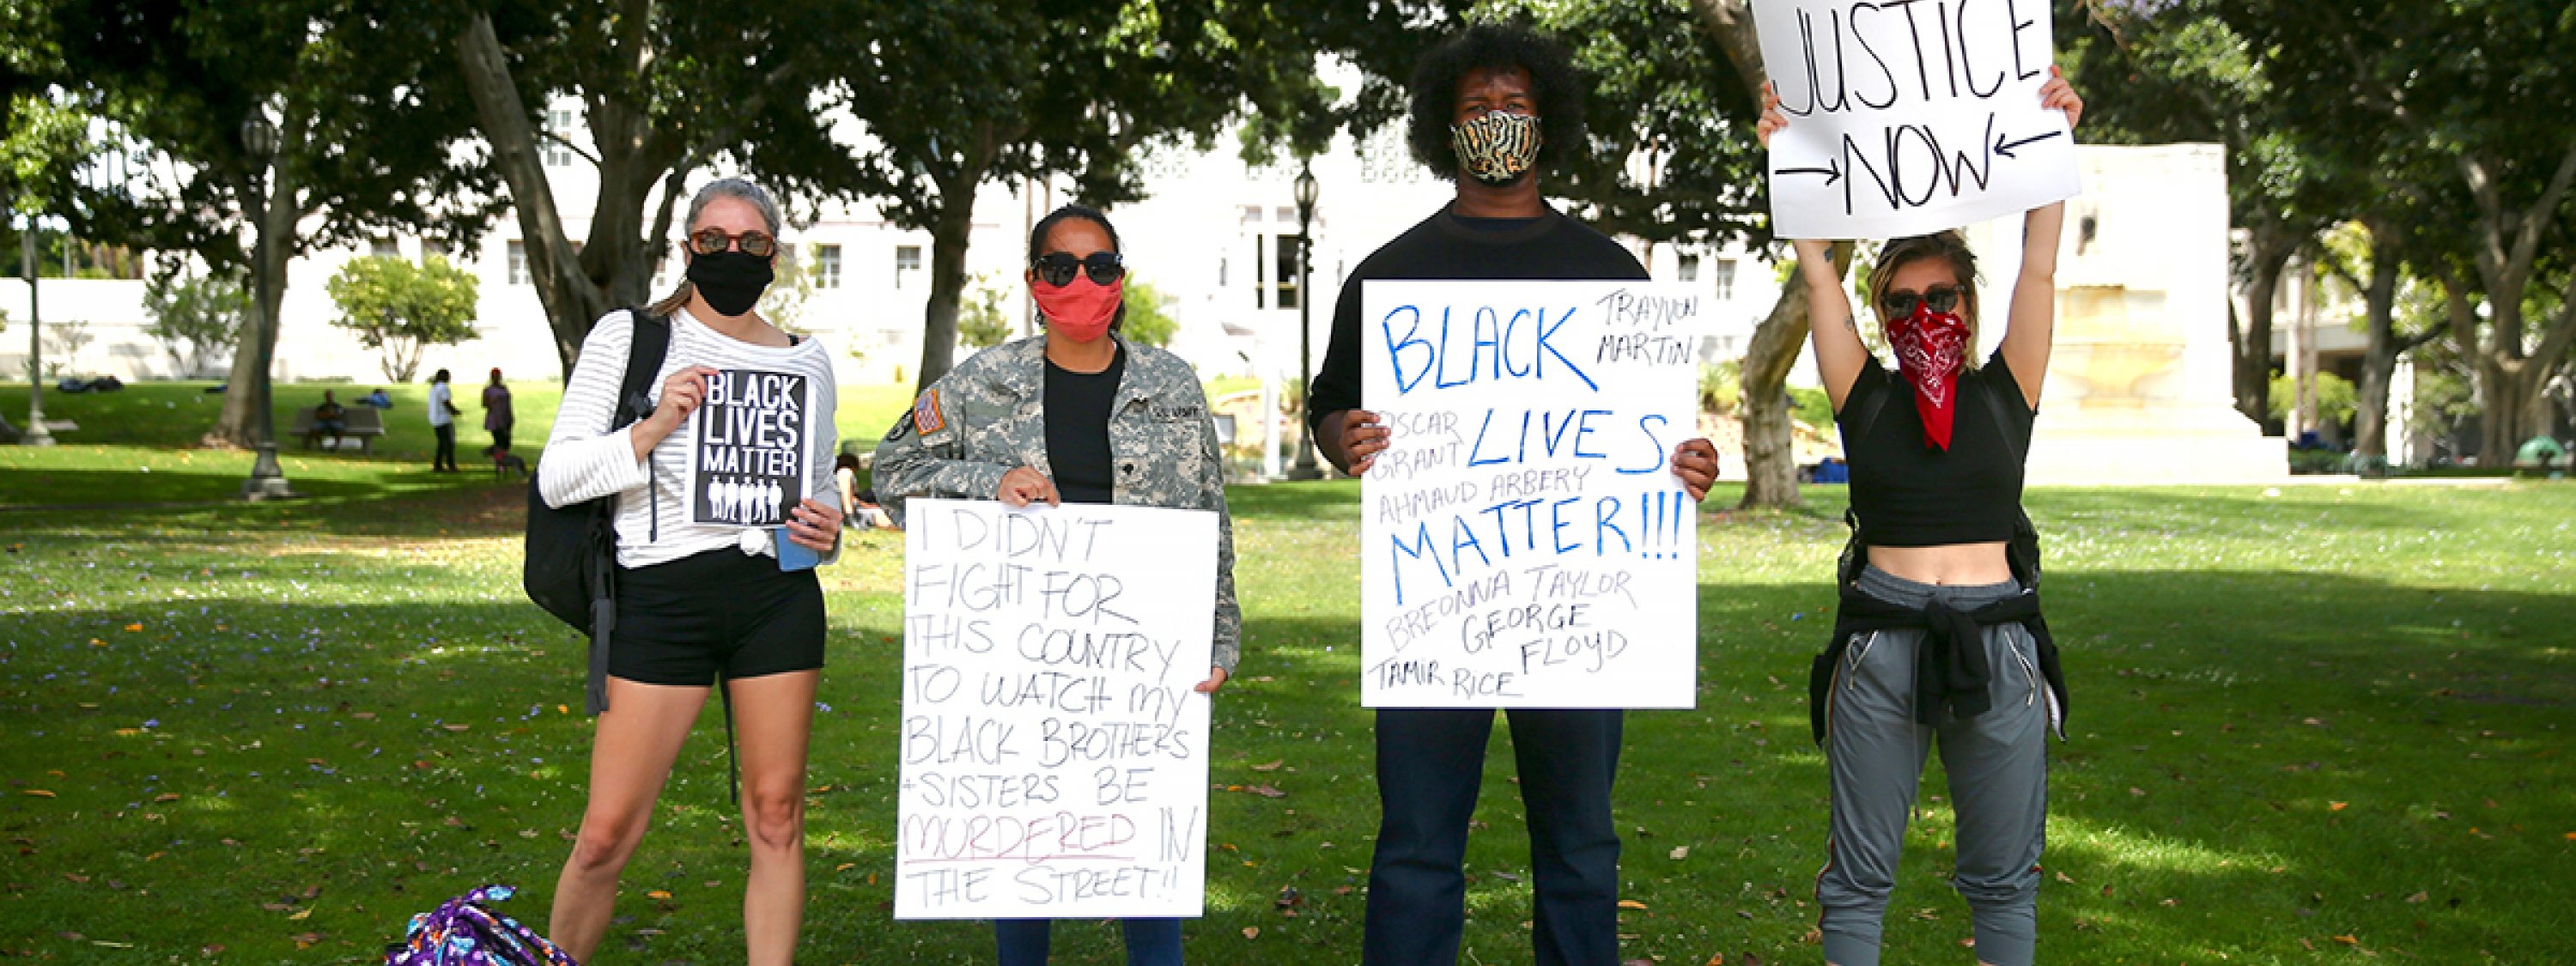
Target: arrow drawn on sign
x,y
2005,148
1833,171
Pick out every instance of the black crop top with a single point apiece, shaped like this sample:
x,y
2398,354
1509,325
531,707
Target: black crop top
x,y
1909,494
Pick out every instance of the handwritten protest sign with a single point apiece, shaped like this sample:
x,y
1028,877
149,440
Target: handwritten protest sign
x,y
1054,754
749,463
1910,116
1523,542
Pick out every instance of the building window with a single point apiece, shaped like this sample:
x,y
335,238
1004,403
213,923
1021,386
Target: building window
x,y
1690,268
1260,288
1725,278
827,266
558,129
1220,271
907,258
518,263
384,248
1287,277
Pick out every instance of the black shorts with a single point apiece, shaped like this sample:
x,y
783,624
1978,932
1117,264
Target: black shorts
x,y
721,611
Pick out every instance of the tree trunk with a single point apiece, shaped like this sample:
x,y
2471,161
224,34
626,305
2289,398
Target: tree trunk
x,y
2514,399
1770,435
949,234
1770,453
2501,407
571,300
248,417
2379,360
948,240
2254,346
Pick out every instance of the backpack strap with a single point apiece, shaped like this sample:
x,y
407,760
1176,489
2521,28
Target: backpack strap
x,y
645,350
644,355
2025,541
1860,421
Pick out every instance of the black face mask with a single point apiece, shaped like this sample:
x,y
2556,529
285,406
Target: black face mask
x,y
732,281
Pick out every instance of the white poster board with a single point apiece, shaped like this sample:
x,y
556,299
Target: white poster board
x,y
1054,754
747,466
1908,118
1523,542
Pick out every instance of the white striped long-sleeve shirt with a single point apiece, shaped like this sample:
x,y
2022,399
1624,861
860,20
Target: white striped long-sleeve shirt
x,y
583,460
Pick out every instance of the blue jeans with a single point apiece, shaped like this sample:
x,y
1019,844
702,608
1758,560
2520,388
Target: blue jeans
x,y
1150,942
1429,764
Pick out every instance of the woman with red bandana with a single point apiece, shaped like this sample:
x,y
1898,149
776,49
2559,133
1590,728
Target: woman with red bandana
x,y
1077,415
1938,634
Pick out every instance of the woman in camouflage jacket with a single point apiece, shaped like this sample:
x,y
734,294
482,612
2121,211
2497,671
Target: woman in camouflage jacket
x,y
1077,414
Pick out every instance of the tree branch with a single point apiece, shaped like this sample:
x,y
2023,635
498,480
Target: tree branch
x,y
2544,210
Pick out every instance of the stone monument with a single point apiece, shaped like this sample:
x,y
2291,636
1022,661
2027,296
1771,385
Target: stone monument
x,y
2138,387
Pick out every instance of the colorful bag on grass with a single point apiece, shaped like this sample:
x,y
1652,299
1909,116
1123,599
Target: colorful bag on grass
x,y
466,932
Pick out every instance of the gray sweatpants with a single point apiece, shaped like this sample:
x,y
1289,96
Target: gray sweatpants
x,y
1998,768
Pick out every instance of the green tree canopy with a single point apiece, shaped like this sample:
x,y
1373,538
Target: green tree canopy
x,y
398,308
1145,323
196,317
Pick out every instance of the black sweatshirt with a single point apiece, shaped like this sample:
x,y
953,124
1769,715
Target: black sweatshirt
x,y
1445,246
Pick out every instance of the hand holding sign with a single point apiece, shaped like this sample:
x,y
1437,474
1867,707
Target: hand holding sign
x,y
1912,119
1360,437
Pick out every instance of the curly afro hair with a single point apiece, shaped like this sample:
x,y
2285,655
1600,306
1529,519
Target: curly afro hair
x,y
1553,84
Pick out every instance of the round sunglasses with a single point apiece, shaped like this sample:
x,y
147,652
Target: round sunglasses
x,y
1901,303
710,241
1057,268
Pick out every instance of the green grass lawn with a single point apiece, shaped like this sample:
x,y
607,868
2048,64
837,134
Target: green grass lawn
x,y
2313,725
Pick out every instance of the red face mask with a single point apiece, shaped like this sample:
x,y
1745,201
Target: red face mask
x,y
1080,310
1931,351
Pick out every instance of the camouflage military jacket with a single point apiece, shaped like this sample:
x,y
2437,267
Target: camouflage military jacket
x,y
988,416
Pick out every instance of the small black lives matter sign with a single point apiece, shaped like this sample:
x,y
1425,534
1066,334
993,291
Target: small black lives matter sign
x,y
749,463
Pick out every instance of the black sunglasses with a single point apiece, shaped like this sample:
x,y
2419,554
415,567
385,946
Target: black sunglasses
x,y
1900,303
1057,268
710,241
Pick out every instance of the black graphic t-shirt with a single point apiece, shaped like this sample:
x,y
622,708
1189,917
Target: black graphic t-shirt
x,y
1077,430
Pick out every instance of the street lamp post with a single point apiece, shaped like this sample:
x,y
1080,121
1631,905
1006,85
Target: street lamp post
x,y
37,434
1305,468
267,479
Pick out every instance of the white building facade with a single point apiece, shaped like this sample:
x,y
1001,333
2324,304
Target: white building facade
x,y
1215,236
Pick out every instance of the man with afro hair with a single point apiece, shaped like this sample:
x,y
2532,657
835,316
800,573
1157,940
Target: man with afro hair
x,y
1493,108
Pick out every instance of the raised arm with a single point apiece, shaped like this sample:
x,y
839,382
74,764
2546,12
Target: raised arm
x,y
1840,355
2030,328
1839,351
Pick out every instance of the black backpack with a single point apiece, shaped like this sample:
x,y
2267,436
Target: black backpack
x,y
571,568
2022,553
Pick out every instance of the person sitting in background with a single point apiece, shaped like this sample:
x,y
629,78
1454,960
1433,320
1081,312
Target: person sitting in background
x,y
329,419
377,399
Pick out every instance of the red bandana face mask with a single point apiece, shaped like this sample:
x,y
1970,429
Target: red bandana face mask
x,y
1931,351
1081,310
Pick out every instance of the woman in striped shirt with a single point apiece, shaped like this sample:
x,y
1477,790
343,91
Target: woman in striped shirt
x,y
707,511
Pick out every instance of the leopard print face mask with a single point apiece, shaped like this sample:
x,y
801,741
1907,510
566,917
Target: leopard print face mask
x,y
1498,148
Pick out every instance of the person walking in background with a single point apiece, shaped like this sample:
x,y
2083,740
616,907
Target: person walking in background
x,y
699,605
1075,415
1938,636
497,417
442,421
1491,109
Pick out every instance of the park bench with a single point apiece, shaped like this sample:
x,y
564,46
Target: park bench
x,y
358,422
